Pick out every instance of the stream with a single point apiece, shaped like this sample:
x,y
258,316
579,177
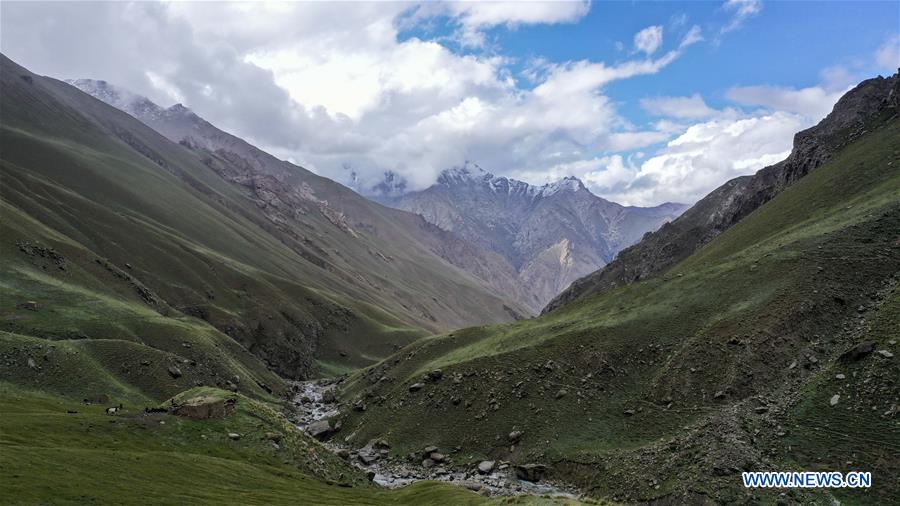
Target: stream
x,y
392,474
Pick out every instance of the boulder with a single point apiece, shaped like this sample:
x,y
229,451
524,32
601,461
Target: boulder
x,y
858,352
486,466
437,456
415,387
274,437
515,436
234,436
174,371
531,472
885,353
204,407
328,397
367,458
319,429
834,400
562,393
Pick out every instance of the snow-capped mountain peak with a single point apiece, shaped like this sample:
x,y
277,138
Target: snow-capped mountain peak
x,y
470,174
136,105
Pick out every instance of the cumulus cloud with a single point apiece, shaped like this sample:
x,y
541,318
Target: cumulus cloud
x,y
649,39
337,89
814,102
697,161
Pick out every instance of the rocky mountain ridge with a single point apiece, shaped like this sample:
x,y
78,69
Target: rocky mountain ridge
x,y
737,198
550,234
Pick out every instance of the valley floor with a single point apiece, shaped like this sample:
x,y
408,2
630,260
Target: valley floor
x,y
56,451
500,480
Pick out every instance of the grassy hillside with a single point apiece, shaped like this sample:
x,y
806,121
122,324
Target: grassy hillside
x,y
53,450
668,388
119,233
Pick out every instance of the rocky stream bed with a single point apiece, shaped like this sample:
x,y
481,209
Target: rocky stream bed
x,y
315,404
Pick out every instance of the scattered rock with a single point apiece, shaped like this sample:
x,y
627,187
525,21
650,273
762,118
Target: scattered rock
x,y
328,397
834,399
628,412
367,458
885,353
486,466
719,395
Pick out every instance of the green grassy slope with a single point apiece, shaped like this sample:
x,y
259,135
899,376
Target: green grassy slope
x,y
666,389
55,451
113,228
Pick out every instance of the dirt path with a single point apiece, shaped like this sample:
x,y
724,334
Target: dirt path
x,y
391,474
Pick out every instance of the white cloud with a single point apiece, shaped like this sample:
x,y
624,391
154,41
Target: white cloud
x,y
813,102
693,107
888,55
693,36
741,10
475,16
478,14
698,161
649,39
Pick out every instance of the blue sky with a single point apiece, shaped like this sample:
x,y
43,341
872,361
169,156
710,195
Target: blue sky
x,y
646,102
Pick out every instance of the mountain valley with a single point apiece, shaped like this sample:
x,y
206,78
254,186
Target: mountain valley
x,y
188,319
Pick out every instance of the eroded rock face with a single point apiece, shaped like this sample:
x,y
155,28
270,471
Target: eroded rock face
x,y
723,207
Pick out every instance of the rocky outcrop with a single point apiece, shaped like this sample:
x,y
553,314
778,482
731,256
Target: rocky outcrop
x,y
869,103
203,407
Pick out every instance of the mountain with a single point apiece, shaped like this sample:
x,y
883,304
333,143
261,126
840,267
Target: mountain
x,y
279,184
129,234
153,296
738,198
551,235
771,347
